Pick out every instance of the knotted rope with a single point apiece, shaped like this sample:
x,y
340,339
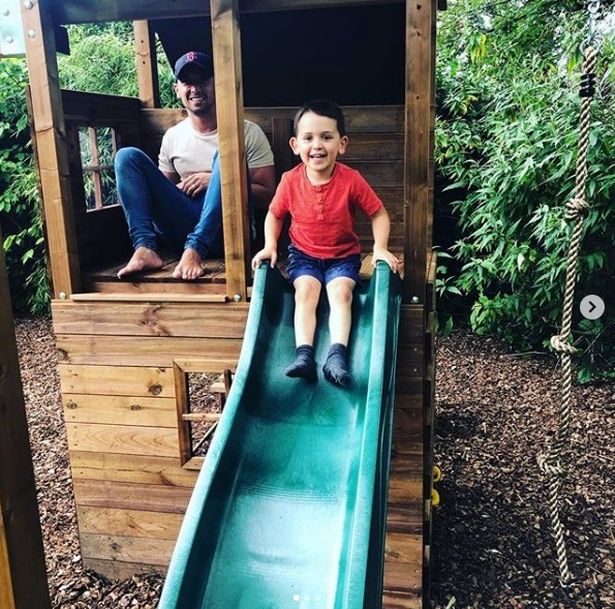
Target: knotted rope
x,y
550,464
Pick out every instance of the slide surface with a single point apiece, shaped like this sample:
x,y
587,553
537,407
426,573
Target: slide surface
x,y
289,508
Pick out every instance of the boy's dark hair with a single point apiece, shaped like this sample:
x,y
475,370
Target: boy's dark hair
x,y
322,107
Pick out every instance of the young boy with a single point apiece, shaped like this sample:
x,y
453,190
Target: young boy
x,y
321,196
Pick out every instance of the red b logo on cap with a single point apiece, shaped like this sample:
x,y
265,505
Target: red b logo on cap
x,y
190,56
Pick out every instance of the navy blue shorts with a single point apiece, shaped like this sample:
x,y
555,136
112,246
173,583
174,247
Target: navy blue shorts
x,y
300,264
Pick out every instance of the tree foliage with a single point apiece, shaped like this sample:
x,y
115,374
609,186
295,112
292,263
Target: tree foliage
x,y
506,141
20,214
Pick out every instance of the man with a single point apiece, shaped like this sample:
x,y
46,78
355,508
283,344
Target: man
x,y
179,202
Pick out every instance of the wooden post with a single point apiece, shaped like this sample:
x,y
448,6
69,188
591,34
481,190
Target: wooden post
x,y
417,147
281,132
23,580
48,132
229,103
147,66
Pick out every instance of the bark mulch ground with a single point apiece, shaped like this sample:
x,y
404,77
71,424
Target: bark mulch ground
x,y
492,547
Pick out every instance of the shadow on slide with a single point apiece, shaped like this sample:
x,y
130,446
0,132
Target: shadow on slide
x,y
290,506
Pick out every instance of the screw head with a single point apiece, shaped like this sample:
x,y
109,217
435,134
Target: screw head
x,y
62,295
28,5
415,300
237,298
9,39
6,12
31,33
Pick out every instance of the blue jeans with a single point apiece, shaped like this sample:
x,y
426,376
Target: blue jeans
x,y
157,210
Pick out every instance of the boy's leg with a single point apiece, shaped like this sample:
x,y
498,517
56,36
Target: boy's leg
x,y
153,206
307,293
339,293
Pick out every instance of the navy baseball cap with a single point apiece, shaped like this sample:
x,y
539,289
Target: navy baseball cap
x,y
194,58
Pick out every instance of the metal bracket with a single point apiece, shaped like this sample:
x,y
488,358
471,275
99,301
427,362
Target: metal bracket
x,y
12,43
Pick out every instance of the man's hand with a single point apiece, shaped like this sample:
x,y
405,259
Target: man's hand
x,y
195,183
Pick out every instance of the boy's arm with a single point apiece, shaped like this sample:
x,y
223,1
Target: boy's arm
x,y
381,226
273,228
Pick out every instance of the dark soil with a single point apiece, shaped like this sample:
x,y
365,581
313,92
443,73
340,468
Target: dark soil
x,y
492,547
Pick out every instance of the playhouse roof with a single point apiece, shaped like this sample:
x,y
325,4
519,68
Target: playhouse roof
x,y
84,11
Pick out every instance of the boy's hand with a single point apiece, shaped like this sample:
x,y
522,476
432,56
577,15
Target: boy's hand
x,y
388,257
267,253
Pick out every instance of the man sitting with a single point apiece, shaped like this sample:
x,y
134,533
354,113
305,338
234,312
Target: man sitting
x,y
179,202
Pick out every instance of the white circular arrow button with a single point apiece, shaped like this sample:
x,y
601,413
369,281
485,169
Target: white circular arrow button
x,y
592,307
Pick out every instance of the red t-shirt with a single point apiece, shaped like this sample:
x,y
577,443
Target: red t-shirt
x,y
322,217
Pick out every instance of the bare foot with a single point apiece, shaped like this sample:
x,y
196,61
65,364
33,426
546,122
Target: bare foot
x,y
189,266
144,259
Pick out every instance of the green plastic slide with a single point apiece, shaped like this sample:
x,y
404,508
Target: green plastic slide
x,y
289,509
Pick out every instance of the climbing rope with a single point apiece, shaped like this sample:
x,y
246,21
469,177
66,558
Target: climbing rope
x,y
576,209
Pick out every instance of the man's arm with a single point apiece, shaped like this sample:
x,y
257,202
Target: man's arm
x,y
171,176
262,181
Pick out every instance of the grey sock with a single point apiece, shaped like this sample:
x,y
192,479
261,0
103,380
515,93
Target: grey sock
x,y
304,365
336,366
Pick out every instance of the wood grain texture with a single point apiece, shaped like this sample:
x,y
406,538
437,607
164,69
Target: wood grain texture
x,y
147,68
129,523
123,439
144,351
51,150
124,495
418,134
23,580
136,469
119,410
144,319
80,11
7,597
226,40
117,380
127,549
400,600
119,569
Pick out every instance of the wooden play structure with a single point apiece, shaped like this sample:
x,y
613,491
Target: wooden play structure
x,y
126,349
23,581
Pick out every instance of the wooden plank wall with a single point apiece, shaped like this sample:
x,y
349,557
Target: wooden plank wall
x,y
403,568
118,391
119,402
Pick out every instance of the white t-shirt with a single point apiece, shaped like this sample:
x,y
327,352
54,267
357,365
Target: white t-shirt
x,y
185,151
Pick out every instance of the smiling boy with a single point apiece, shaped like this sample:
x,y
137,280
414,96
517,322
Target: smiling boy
x,y
321,196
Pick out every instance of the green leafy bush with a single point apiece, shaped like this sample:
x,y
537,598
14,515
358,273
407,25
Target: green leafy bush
x,y
506,141
20,211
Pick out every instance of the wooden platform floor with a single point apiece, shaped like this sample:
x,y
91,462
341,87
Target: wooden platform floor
x,y
213,280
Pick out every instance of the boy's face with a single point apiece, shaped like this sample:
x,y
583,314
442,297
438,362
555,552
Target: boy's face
x,y
318,142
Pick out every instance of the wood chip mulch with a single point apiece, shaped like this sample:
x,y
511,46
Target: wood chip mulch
x,y
492,546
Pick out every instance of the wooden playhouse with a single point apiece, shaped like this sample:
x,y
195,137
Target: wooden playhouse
x,y
126,348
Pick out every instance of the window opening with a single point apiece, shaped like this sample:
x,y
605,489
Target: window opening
x,y
98,146
200,399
